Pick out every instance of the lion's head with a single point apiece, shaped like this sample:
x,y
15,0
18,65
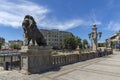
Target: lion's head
x,y
28,20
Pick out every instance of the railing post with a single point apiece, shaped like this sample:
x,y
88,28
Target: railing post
x,y
11,61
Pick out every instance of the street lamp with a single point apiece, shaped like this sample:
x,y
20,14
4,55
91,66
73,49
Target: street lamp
x,y
99,34
94,36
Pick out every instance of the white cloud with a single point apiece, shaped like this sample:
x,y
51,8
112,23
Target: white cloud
x,y
114,26
64,25
12,14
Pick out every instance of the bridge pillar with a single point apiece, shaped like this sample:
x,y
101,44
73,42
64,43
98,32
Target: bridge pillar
x,y
35,59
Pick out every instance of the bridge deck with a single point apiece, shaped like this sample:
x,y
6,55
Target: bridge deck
x,y
104,68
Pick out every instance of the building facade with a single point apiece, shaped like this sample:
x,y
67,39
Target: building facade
x,y
19,43
55,37
113,39
2,40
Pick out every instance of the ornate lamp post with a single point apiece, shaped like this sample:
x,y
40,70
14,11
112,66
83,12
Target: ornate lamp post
x,y
94,36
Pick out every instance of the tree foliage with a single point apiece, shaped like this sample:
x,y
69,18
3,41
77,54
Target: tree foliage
x,y
113,44
78,42
72,42
15,46
0,45
101,44
84,43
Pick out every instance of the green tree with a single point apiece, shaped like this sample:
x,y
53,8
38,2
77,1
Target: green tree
x,y
102,44
113,44
15,46
70,43
85,42
78,42
0,45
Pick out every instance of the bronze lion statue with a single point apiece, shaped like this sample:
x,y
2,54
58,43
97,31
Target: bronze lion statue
x,y
32,33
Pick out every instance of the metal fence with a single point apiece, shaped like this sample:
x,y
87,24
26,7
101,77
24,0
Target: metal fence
x,y
10,59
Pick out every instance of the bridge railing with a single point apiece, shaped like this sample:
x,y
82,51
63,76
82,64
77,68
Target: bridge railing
x,y
12,58
57,60
60,60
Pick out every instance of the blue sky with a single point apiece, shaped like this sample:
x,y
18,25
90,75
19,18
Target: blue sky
x,y
76,16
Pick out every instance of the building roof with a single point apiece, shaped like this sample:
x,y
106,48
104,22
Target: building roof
x,y
54,30
15,41
113,36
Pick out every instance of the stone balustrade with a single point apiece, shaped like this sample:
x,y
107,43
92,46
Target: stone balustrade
x,y
39,60
60,60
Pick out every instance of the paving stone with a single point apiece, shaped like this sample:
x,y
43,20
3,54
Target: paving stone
x,y
84,75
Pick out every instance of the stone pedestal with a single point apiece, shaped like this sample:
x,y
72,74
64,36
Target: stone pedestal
x,y
35,59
